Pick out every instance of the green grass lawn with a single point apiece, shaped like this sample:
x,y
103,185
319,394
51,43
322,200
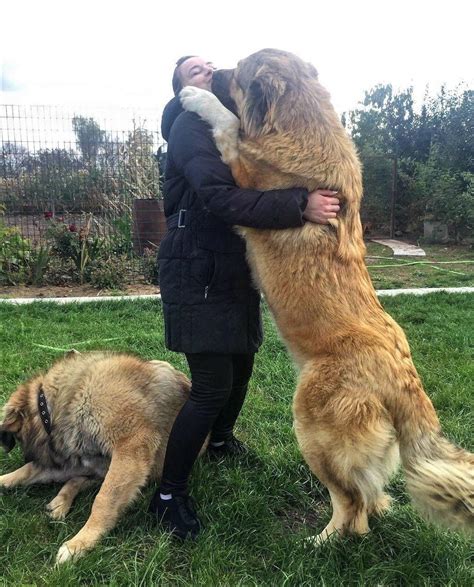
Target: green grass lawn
x,y
255,513
443,266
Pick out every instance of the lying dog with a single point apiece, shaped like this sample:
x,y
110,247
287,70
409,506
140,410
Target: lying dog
x,y
97,415
359,399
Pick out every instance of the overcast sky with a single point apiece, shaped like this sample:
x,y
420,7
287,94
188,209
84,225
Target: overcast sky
x,y
113,54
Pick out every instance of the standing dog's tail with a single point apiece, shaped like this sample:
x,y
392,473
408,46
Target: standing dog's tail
x,y
440,476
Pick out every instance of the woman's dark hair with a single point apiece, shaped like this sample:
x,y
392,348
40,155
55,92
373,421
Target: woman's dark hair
x,y
176,81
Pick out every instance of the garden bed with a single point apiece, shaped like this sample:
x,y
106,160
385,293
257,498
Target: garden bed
x,y
73,291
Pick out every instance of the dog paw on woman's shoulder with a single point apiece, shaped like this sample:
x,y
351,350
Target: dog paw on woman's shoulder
x,y
196,99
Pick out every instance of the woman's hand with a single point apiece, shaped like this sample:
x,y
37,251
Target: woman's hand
x,y
322,206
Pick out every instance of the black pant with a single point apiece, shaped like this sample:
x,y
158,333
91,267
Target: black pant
x,y
219,386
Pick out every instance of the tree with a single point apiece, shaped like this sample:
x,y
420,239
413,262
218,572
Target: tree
x,y
14,160
385,123
451,117
140,174
90,139
434,148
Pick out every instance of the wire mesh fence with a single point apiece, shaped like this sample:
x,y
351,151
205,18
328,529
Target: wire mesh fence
x,y
71,185
80,195
378,210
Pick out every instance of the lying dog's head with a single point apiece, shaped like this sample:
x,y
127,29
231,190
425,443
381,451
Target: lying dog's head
x,y
7,440
267,90
21,423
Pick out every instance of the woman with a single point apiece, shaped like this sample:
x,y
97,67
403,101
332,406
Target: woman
x,y
211,308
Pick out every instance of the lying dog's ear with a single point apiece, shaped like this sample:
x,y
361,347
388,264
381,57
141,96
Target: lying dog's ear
x,y
13,419
7,440
71,353
14,411
263,93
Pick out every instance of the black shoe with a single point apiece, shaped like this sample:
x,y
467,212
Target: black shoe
x,y
230,448
177,515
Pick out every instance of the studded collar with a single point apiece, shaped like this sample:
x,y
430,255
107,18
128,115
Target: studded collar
x,y
44,411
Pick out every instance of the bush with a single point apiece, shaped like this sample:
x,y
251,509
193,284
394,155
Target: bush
x,y
38,264
150,266
78,245
445,195
121,235
60,272
108,273
455,207
15,254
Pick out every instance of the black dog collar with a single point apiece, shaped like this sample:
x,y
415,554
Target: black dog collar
x,y
43,410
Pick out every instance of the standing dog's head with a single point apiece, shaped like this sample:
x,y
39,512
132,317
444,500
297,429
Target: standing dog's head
x,y
269,91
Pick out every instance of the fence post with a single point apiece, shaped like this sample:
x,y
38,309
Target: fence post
x,y
394,194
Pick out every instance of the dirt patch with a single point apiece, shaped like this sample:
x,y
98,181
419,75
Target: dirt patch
x,y
294,520
72,291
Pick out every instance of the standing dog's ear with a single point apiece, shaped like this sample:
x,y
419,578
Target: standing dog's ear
x,y
312,71
263,93
221,79
7,440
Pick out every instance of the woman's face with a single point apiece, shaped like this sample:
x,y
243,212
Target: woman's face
x,y
196,72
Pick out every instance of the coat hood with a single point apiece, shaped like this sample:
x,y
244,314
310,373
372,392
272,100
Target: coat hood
x,y
171,112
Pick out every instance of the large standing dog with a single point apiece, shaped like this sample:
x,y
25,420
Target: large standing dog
x,y
97,415
359,400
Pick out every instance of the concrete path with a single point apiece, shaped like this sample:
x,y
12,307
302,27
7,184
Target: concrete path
x,y
400,248
380,293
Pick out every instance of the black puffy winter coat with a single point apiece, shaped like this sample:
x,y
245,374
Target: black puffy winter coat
x,y
209,301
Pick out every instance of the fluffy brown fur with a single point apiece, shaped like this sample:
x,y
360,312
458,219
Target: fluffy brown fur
x,y
359,400
111,417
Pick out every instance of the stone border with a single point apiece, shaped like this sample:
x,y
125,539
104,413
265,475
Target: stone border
x,y
421,291
381,292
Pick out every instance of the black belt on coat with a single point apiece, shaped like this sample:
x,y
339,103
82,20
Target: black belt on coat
x,y
184,218
179,219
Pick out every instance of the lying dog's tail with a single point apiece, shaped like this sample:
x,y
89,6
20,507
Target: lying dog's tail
x,y
440,476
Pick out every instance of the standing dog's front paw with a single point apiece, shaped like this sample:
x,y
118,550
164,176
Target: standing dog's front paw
x,y
197,100
207,105
69,551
